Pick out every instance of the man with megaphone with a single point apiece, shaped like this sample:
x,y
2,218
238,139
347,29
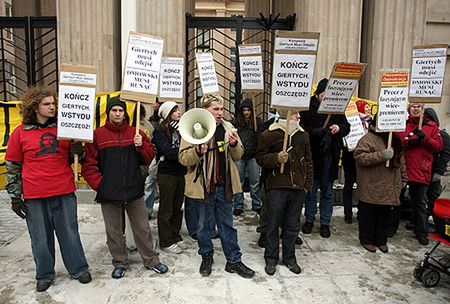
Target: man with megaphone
x,y
209,148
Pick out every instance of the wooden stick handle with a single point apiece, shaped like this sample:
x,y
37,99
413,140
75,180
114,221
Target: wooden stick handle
x,y
326,121
389,144
286,134
138,116
252,96
75,167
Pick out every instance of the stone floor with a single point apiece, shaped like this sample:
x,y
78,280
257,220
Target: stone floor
x,y
335,270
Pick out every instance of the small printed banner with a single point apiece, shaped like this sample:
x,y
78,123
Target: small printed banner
x,y
427,73
342,83
207,72
142,67
171,78
76,97
293,69
356,127
393,101
250,63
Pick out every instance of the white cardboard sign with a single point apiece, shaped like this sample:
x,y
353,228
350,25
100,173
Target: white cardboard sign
x,y
356,131
143,63
337,94
171,78
207,73
292,80
76,112
251,73
392,109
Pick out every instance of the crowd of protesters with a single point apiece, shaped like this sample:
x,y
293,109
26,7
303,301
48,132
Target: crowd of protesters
x,y
129,169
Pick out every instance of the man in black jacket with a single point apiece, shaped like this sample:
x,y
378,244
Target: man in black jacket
x,y
326,142
245,124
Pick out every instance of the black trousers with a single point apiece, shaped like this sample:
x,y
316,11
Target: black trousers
x,y
373,221
283,209
419,207
349,164
433,192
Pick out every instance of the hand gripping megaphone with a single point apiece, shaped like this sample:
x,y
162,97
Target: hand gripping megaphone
x,y
197,126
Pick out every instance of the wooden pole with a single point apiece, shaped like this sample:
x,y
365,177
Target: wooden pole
x,y
252,96
389,144
326,121
138,116
421,117
75,167
286,134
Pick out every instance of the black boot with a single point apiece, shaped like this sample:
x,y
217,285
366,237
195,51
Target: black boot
x,y
240,269
206,265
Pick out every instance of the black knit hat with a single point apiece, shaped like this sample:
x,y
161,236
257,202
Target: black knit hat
x,y
321,86
115,101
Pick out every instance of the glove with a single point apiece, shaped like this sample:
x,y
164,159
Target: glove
x,y
326,143
436,177
174,125
413,142
388,153
77,148
283,157
419,133
318,132
18,206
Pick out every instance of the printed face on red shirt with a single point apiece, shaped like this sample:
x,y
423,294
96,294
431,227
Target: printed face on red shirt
x,y
216,109
116,115
46,109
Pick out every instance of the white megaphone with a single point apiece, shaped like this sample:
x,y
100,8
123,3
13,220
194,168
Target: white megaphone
x,y
197,126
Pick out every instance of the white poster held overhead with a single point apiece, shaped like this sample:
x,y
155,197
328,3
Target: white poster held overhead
x,y
142,67
207,73
427,73
76,98
393,101
171,78
340,87
250,64
293,69
356,127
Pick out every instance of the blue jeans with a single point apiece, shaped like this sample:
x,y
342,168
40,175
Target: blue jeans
x,y
45,217
216,207
191,218
326,195
254,171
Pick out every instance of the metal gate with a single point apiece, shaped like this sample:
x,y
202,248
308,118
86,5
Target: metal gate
x,y
28,54
221,36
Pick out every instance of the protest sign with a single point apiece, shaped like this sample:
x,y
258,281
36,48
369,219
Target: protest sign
x,y
342,83
356,127
293,69
171,78
251,69
76,97
207,73
142,67
427,73
393,101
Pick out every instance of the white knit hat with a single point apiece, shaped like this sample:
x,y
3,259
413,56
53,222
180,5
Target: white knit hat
x,y
166,108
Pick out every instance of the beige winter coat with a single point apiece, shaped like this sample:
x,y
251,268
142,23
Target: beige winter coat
x,y
188,157
376,183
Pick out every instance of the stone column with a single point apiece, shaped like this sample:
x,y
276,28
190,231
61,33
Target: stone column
x,y
339,24
391,29
89,34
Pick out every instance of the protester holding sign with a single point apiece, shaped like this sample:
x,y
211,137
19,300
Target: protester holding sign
x,y
420,144
41,186
326,142
287,190
112,169
379,186
170,178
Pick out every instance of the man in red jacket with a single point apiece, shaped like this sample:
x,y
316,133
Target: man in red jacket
x,y
420,144
112,169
